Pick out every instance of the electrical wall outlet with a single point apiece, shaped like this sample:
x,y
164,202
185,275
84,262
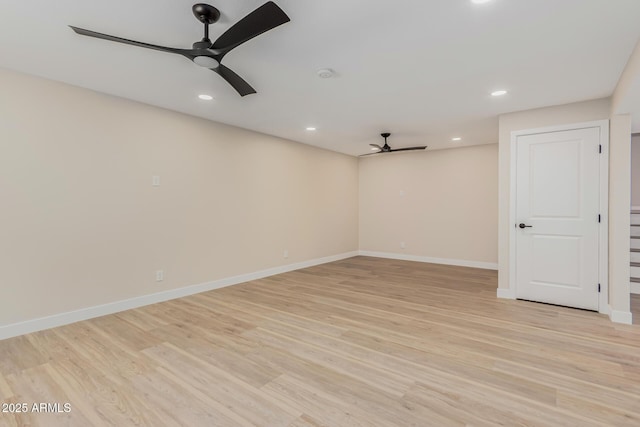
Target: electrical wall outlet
x,y
402,245
159,276
285,254
155,181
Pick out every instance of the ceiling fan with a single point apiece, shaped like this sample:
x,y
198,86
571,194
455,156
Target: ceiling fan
x,y
207,54
387,149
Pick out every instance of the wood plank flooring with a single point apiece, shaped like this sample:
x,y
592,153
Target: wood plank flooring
x,y
359,342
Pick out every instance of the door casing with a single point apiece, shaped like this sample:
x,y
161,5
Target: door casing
x,y
603,235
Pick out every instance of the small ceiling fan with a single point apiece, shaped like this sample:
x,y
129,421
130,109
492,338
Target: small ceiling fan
x,y
207,54
387,149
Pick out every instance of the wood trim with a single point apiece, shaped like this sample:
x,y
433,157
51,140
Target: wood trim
x,y
431,260
624,317
506,293
42,323
604,212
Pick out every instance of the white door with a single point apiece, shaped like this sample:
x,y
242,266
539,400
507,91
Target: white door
x,y
557,202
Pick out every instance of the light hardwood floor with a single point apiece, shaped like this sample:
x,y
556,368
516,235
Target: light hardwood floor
x,y
359,342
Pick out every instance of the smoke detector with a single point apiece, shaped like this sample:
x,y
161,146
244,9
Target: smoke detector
x,y
326,73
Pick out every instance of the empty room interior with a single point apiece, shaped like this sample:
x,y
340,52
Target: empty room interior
x,y
296,213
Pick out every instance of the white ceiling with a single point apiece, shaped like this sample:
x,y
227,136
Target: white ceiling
x,y
421,69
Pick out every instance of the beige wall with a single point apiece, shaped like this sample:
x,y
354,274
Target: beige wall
x,y
625,97
448,208
625,119
619,218
635,171
81,225
531,119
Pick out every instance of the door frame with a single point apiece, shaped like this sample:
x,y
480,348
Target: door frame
x,y
603,234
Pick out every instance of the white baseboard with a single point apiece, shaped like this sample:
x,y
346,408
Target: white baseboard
x,y
635,287
61,319
506,293
621,317
446,261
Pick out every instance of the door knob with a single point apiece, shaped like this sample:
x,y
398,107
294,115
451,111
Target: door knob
x,y
522,225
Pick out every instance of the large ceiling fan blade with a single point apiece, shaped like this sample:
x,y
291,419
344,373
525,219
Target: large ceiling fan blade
x,y
234,80
376,145
408,148
264,18
370,154
97,35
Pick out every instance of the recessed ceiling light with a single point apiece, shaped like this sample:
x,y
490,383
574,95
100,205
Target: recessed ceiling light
x,y
205,97
311,128
374,149
499,93
457,138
